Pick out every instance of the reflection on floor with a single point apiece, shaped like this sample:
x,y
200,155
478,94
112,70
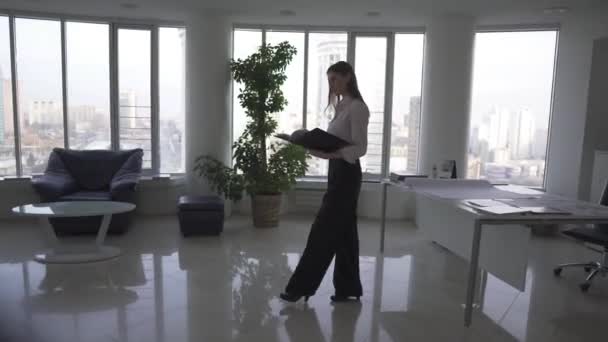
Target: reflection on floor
x,y
166,288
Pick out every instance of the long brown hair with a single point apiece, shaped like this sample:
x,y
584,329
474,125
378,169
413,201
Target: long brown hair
x,y
344,69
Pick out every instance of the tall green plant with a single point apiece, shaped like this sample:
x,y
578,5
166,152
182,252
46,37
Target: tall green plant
x,y
259,168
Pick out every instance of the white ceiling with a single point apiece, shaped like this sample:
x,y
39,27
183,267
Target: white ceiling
x,y
177,9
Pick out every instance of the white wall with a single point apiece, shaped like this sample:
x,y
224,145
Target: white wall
x,y
570,103
208,121
306,199
596,128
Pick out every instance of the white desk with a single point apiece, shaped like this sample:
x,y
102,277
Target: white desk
x,y
445,217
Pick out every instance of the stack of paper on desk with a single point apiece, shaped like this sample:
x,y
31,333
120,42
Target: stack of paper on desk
x,y
486,203
501,208
461,189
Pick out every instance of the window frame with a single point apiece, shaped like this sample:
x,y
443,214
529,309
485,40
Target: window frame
x,y
115,89
114,24
352,33
530,28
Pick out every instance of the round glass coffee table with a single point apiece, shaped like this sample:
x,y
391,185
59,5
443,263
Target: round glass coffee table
x,y
69,253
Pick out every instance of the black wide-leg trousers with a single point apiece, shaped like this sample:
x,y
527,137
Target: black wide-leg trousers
x,y
333,233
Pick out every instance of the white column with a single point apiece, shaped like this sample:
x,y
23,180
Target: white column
x,y
208,123
446,92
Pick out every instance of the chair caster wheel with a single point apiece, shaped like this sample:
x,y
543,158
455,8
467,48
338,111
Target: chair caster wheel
x,y
585,287
557,271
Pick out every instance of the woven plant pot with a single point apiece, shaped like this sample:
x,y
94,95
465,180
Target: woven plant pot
x,y
266,209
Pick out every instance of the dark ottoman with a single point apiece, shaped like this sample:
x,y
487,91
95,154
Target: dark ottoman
x,y
200,215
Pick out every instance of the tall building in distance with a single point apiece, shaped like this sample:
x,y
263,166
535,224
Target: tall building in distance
x,y
525,138
539,145
413,127
506,146
328,52
135,126
498,134
128,110
45,112
7,107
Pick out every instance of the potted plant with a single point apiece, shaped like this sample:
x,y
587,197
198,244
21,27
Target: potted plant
x,y
263,169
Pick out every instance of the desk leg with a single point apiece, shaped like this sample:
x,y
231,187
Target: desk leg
x,y
383,217
473,268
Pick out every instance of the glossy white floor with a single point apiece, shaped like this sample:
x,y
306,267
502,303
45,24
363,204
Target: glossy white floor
x,y
166,288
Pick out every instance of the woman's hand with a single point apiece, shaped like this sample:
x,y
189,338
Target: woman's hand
x,y
324,155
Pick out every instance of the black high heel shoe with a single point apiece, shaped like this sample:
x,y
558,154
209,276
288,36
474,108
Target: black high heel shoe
x,y
340,298
292,298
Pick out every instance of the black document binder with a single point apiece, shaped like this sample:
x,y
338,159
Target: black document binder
x,y
317,139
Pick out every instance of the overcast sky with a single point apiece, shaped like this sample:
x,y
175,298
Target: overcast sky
x,y
39,63
512,70
525,82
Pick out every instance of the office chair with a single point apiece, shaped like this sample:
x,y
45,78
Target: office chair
x,y
597,236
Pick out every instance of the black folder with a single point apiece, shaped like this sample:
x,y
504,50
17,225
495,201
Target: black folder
x,y
317,139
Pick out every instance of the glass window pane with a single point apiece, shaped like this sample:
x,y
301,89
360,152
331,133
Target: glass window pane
x,y
370,67
511,104
7,129
134,59
38,44
88,85
245,42
293,89
172,64
324,49
407,88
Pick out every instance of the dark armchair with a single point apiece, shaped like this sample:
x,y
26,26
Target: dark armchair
x,y
96,175
598,235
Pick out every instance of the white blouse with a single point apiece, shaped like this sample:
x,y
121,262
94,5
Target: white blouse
x,y
350,124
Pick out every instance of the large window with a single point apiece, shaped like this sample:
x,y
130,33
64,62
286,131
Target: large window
x,y
407,83
90,85
306,89
135,99
245,43
290,118
370,67
172,64
38,44
324,49
511,106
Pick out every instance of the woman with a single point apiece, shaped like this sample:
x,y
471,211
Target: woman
x,y
334,231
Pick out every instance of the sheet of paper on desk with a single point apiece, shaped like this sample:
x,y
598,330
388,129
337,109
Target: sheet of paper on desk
x,y
461,189
503,210
546,211
487,202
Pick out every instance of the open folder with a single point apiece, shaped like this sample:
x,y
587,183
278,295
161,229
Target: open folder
x,y
317,139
